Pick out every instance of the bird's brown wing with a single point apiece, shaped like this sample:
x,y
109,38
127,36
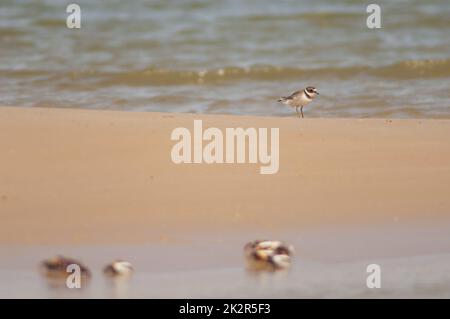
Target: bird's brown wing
x,y
293,95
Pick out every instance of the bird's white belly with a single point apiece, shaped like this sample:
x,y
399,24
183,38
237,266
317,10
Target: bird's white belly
x,y
301,101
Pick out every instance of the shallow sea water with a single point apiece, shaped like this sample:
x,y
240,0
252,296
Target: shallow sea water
x,y
328,263
234,57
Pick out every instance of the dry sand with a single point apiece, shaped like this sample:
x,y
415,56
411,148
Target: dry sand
x,y
76,178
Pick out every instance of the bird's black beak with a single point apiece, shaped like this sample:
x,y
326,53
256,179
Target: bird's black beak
x,y
317,93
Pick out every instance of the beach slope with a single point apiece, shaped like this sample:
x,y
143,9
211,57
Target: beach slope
x,y
104,177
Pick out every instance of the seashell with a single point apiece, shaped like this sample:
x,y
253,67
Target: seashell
x,y
269,255
57,266
118,268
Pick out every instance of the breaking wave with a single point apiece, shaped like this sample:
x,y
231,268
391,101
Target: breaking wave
x,y
162,76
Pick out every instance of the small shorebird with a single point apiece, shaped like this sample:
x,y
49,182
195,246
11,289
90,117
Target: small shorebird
x,y
300,98
270,255
118,268
57,266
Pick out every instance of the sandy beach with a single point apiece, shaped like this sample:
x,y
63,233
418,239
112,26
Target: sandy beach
x,y
101,185
165,134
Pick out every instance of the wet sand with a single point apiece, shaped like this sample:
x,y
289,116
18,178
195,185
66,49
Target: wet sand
x,y
100,185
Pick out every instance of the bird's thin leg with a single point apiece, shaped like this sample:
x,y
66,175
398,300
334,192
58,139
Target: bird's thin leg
x,y
296,109
301,110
